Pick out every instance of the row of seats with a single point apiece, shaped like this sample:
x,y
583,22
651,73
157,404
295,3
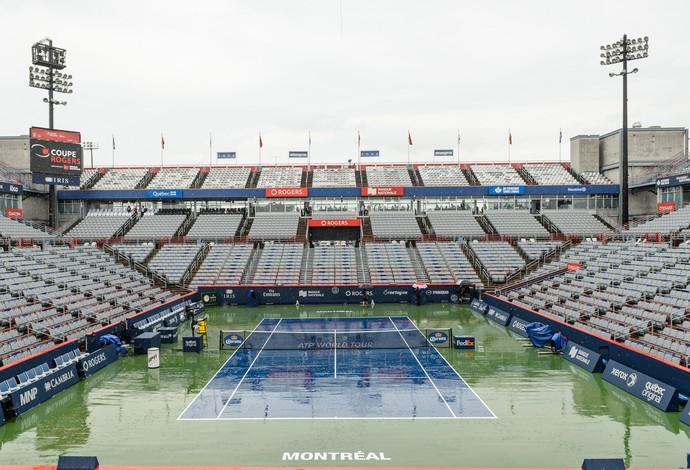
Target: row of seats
x,y
380,175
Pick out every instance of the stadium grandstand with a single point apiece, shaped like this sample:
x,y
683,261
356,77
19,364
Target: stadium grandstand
x,y
138,247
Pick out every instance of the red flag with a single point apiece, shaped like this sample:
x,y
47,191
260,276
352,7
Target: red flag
x,y
409,138
162,142
510,138
261,142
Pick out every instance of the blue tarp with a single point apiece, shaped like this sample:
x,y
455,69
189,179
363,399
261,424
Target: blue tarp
x,y
539,334
112,339
558,342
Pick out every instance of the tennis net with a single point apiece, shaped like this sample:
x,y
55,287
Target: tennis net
x,y
362,339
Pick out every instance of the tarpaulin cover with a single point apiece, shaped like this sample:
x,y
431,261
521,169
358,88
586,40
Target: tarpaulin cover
x,y
539,334
112,339
558,341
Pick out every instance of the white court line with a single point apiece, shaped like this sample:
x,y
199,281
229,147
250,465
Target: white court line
x,y
248,369
213,378
426,373
335,354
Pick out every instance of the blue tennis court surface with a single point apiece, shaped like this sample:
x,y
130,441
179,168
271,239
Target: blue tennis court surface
x,y
374,368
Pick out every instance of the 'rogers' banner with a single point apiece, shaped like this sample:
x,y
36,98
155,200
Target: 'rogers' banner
x,y
334,223
287,192
665,207
571,266
383,191
12,213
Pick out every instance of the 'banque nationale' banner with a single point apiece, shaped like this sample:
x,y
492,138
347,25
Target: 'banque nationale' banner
x,y
654,392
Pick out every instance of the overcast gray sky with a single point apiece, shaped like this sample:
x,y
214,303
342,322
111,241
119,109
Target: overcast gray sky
x,y
335,68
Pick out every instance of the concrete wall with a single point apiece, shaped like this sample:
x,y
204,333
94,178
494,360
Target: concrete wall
x,y
35,207
584,153
646,147
641,203
14,151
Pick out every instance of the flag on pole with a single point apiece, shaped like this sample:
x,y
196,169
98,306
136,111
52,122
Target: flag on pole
x,y
113,141
458,137
510,137
359,139
162,142
560,135
409,138
261,142
309,137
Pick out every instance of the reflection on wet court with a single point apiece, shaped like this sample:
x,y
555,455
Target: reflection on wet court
x,y
336,368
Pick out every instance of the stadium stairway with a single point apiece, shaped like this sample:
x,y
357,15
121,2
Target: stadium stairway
x,y
574,174
362,263
485,224
186,225
93,180
469,174
424,226
418,264
367,232
145,180
524,174
200,178
193,268
415,177
301,230
253,179
243,229
248,275
361,178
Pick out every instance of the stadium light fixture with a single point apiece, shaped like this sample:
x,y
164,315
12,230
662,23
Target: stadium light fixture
x,y
45,73
91,146
621,52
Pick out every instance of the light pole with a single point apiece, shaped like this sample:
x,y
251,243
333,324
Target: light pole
x,y
45,74
623,51
91,146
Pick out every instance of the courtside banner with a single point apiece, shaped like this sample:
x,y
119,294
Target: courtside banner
x,y
97,360
334,223
644,387
499,316
383,191
55,158
583,357
42,389
685,416
518,325
478,306
54,135
287,192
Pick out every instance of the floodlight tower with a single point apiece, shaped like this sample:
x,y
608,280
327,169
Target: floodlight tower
x,y
91,146
45,73
623,51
